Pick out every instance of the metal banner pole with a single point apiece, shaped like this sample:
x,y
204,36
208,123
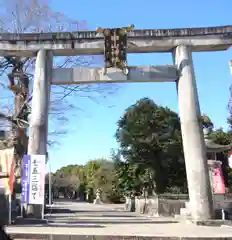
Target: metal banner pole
x,y
42,213
9,200
22,209
50,185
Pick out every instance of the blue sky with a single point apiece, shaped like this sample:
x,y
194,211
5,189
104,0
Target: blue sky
x,y
91,132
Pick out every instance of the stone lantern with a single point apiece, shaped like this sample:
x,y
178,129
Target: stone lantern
x,y
97,200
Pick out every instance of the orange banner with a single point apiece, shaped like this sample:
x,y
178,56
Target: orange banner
x,y
8,166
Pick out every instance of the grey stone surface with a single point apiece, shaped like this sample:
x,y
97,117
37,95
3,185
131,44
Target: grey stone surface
x,y
131,231
90,43
103,237
162,73
165,33
91,221
159,206
200,194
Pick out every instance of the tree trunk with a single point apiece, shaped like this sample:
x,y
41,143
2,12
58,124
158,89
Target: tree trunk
x,y
19,133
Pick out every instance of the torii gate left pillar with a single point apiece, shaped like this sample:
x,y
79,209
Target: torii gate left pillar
x,y
38,128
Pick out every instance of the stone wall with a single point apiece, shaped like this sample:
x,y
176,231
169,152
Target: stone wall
x,y
158,206
167,206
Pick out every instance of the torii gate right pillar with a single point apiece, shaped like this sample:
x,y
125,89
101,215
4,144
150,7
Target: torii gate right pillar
x,y
200,194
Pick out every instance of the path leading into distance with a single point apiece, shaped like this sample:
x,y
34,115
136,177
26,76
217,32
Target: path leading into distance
x,y
76,220
76,213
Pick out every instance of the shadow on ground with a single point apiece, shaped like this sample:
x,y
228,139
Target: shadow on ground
x,y
86,237
78,214
60,210
60,225
63,237
67,210
107,221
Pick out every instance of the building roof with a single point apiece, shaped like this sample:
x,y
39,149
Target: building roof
x,y
211,146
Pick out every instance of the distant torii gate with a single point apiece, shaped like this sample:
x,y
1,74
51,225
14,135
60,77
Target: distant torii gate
x,y
181,42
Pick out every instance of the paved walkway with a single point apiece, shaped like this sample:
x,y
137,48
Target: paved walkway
x,y
76,213
103,220
151,229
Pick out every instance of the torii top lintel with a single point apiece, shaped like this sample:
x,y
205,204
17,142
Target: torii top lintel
x,y
139,41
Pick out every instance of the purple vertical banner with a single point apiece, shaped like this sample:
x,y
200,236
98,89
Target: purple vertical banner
x,y
25,181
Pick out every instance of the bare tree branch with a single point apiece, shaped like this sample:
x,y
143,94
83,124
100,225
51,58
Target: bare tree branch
x,y
36,16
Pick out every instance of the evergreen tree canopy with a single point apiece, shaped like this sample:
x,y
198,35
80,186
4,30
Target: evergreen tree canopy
x,y
149,135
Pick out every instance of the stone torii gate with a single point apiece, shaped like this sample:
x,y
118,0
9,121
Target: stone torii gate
x,y
180,42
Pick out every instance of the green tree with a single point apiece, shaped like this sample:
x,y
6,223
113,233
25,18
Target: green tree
x,y
95,174
131,177
150,137
90,170
206,121
104,179
221,137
